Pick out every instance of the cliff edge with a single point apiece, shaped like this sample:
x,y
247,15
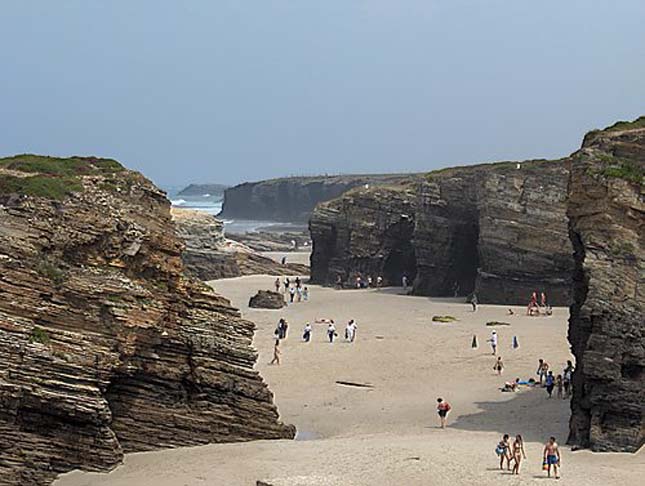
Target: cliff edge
x,y
105,346
607,326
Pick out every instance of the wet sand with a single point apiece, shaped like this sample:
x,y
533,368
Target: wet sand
x,y
387,434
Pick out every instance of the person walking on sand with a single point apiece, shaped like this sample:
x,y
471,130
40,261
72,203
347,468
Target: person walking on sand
x,y
558,386
292,294
503,450
499,365
493,342
306,333
550,383
331,332
443,408
379,282
551,457
286,283
276,353
305,294
474,301
542,370
350,331
518,453
404,282
277,284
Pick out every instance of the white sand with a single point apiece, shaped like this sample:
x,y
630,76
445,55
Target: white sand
x,y
388,435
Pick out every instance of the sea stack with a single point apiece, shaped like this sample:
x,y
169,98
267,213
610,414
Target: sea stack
x,y
106,346
606,327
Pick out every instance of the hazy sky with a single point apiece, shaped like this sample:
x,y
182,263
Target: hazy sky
x,y
226,91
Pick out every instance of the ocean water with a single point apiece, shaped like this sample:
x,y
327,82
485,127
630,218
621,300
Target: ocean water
x,y
213,205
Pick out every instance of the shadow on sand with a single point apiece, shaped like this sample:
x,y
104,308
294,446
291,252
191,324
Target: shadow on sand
x,y
529,412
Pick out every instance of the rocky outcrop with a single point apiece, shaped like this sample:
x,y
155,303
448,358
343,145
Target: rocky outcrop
x,y
105,346
498,228
212,190
606,327
208,255
291,199
267,299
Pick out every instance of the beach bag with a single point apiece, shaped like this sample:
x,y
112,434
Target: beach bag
x,y
499,450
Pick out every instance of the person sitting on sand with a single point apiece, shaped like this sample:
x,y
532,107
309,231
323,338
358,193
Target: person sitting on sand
x,y
276,353
518,453
443,408
511,387
331,332
306,333
503,450
323,320
510,312
499,365
277,284
551,457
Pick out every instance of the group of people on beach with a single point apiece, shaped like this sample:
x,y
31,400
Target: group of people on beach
x,y
282,328
536,309
295,289
561,383
514,454
361,282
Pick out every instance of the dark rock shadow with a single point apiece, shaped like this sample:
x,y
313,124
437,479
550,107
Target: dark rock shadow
x,y
529,412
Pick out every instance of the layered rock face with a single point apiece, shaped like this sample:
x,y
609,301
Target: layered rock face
x,y
208,255
607,326
291,199
105,346
499,229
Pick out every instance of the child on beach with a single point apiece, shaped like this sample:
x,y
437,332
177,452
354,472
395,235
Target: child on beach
x,y
503,450
550,383
443,408
305,294
558,386
499,365
518,453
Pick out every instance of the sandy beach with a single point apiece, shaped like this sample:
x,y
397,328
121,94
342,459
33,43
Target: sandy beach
x,y
387,433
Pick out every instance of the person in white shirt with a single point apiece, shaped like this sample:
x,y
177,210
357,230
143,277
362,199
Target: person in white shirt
x,y
350,331
493,342
331,332
306,333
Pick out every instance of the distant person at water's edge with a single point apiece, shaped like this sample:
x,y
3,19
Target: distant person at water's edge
x,y
443,408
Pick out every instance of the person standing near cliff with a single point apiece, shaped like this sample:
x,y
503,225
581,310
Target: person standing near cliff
x,y
474,301
404,282
305,294
277,284
567,376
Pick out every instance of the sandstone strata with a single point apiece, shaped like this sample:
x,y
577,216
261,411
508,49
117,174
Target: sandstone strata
x,y
105,346
498,228
209,255
607,326
291,199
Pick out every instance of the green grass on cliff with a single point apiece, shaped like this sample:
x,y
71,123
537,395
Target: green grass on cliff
x,y
618,168
40,186
627,125
57,166
53,177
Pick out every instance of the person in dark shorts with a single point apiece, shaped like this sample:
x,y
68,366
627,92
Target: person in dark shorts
x,y
551,457
550,383
443,408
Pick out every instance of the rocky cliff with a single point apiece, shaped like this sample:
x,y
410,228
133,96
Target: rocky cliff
x,y
607,326
105,346
209,255
500,228
213,190
291,199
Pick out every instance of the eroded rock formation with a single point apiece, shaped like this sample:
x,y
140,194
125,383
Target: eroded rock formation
x,y
105,346
607,323
291,199
498,227
267,299
209,255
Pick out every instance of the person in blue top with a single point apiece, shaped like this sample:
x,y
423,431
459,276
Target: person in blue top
x,y
550,383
